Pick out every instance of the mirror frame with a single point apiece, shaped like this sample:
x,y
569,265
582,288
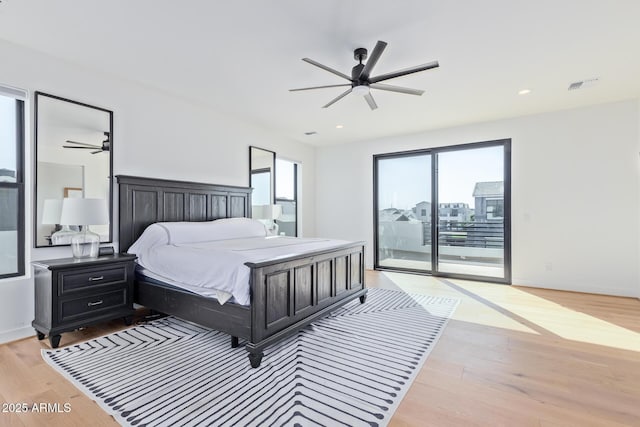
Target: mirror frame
x,y
38,94
273,171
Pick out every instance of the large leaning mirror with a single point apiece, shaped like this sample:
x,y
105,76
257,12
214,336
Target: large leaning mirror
x,y
262,178
73,160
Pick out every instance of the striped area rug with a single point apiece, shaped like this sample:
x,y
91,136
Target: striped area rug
x,y
351,368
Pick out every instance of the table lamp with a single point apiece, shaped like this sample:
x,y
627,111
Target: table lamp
x,y
51,211
84,212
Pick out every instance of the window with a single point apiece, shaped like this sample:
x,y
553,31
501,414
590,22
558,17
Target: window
x,y
11,182
495,208
287,197
423,212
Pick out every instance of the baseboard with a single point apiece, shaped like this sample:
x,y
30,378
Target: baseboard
x,y
16,334
617,292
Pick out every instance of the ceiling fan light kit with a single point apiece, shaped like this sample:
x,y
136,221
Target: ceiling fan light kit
x,y
361,81
360,90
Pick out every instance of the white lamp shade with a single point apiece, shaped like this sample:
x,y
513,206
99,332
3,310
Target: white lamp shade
x,y
276,211
76,211
269,212
51,211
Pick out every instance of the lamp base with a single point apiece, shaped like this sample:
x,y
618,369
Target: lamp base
x,y
85,244
63,236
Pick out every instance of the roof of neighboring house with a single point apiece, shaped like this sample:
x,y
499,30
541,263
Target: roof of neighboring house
x,y
390,215
7,172
7,175
488,189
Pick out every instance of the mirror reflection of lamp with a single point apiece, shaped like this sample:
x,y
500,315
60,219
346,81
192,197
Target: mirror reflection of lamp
x,y
84,212
267,214
51,211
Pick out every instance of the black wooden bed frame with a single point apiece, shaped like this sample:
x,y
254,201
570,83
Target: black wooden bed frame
x,y
286,294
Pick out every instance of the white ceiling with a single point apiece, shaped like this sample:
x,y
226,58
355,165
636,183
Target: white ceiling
x,y
242,56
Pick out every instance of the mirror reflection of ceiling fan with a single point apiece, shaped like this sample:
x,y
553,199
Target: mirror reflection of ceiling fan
x,y
106,145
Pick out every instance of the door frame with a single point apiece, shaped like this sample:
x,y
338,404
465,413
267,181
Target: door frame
x,y
434,151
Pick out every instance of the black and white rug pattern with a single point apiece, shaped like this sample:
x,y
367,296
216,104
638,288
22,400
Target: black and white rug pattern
x,y
351,368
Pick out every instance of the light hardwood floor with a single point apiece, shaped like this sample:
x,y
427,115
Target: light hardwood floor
x,y
510,356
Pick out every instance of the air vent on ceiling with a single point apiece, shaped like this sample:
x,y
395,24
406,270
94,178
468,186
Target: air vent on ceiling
x,y
313,132
583,84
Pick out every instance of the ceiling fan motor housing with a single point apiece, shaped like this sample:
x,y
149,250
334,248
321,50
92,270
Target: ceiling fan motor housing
x,y
355,75
360,54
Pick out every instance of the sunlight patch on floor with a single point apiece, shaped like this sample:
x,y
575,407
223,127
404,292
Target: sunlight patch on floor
x,y
572,324
469,310
508,307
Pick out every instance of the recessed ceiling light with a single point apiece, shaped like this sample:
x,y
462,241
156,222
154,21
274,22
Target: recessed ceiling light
x,y
339,126
524,91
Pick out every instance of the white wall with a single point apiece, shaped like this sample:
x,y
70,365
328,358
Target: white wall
x,y
155,135
575,194
638,192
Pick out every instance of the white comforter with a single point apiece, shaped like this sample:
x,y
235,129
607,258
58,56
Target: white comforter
x,y
216,268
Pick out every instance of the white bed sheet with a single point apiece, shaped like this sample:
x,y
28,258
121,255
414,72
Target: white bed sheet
x,y
221,296
216,268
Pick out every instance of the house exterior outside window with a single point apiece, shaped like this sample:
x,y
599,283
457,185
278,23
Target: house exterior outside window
x,y
489,201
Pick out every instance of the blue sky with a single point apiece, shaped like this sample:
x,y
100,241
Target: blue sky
x,y
406,181
7,133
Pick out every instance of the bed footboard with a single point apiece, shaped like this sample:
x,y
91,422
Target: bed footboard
x,y
287,295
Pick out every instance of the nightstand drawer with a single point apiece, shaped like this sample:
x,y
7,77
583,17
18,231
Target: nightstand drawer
x,y
86,306
70,281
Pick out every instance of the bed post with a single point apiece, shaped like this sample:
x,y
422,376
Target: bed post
x,y
255,358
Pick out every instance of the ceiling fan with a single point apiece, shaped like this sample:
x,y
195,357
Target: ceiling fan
x,y
361,81
106,145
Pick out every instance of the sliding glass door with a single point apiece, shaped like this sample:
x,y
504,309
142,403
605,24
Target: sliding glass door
x,y
404,211
466,190
471,211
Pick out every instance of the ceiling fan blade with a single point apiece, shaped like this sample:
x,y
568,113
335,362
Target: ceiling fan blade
x,y
416,69
399,89
324,67
82,148
337,98
80,143
96,152
372,103
373,59
318,87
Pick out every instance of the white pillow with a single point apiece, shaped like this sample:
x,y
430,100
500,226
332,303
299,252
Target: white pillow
x,y
170,233
152,236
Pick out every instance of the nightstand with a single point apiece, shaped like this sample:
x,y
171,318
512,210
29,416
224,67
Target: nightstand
x,y
73,293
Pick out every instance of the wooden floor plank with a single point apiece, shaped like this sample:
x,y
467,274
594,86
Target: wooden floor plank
x,y
510,356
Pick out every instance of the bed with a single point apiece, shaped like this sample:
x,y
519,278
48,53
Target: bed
x,y
286,293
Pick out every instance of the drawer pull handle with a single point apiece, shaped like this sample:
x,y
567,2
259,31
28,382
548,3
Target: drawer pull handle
x,y
93,279
91,304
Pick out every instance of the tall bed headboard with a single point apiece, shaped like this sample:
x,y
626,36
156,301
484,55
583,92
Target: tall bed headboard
x,y
144,201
